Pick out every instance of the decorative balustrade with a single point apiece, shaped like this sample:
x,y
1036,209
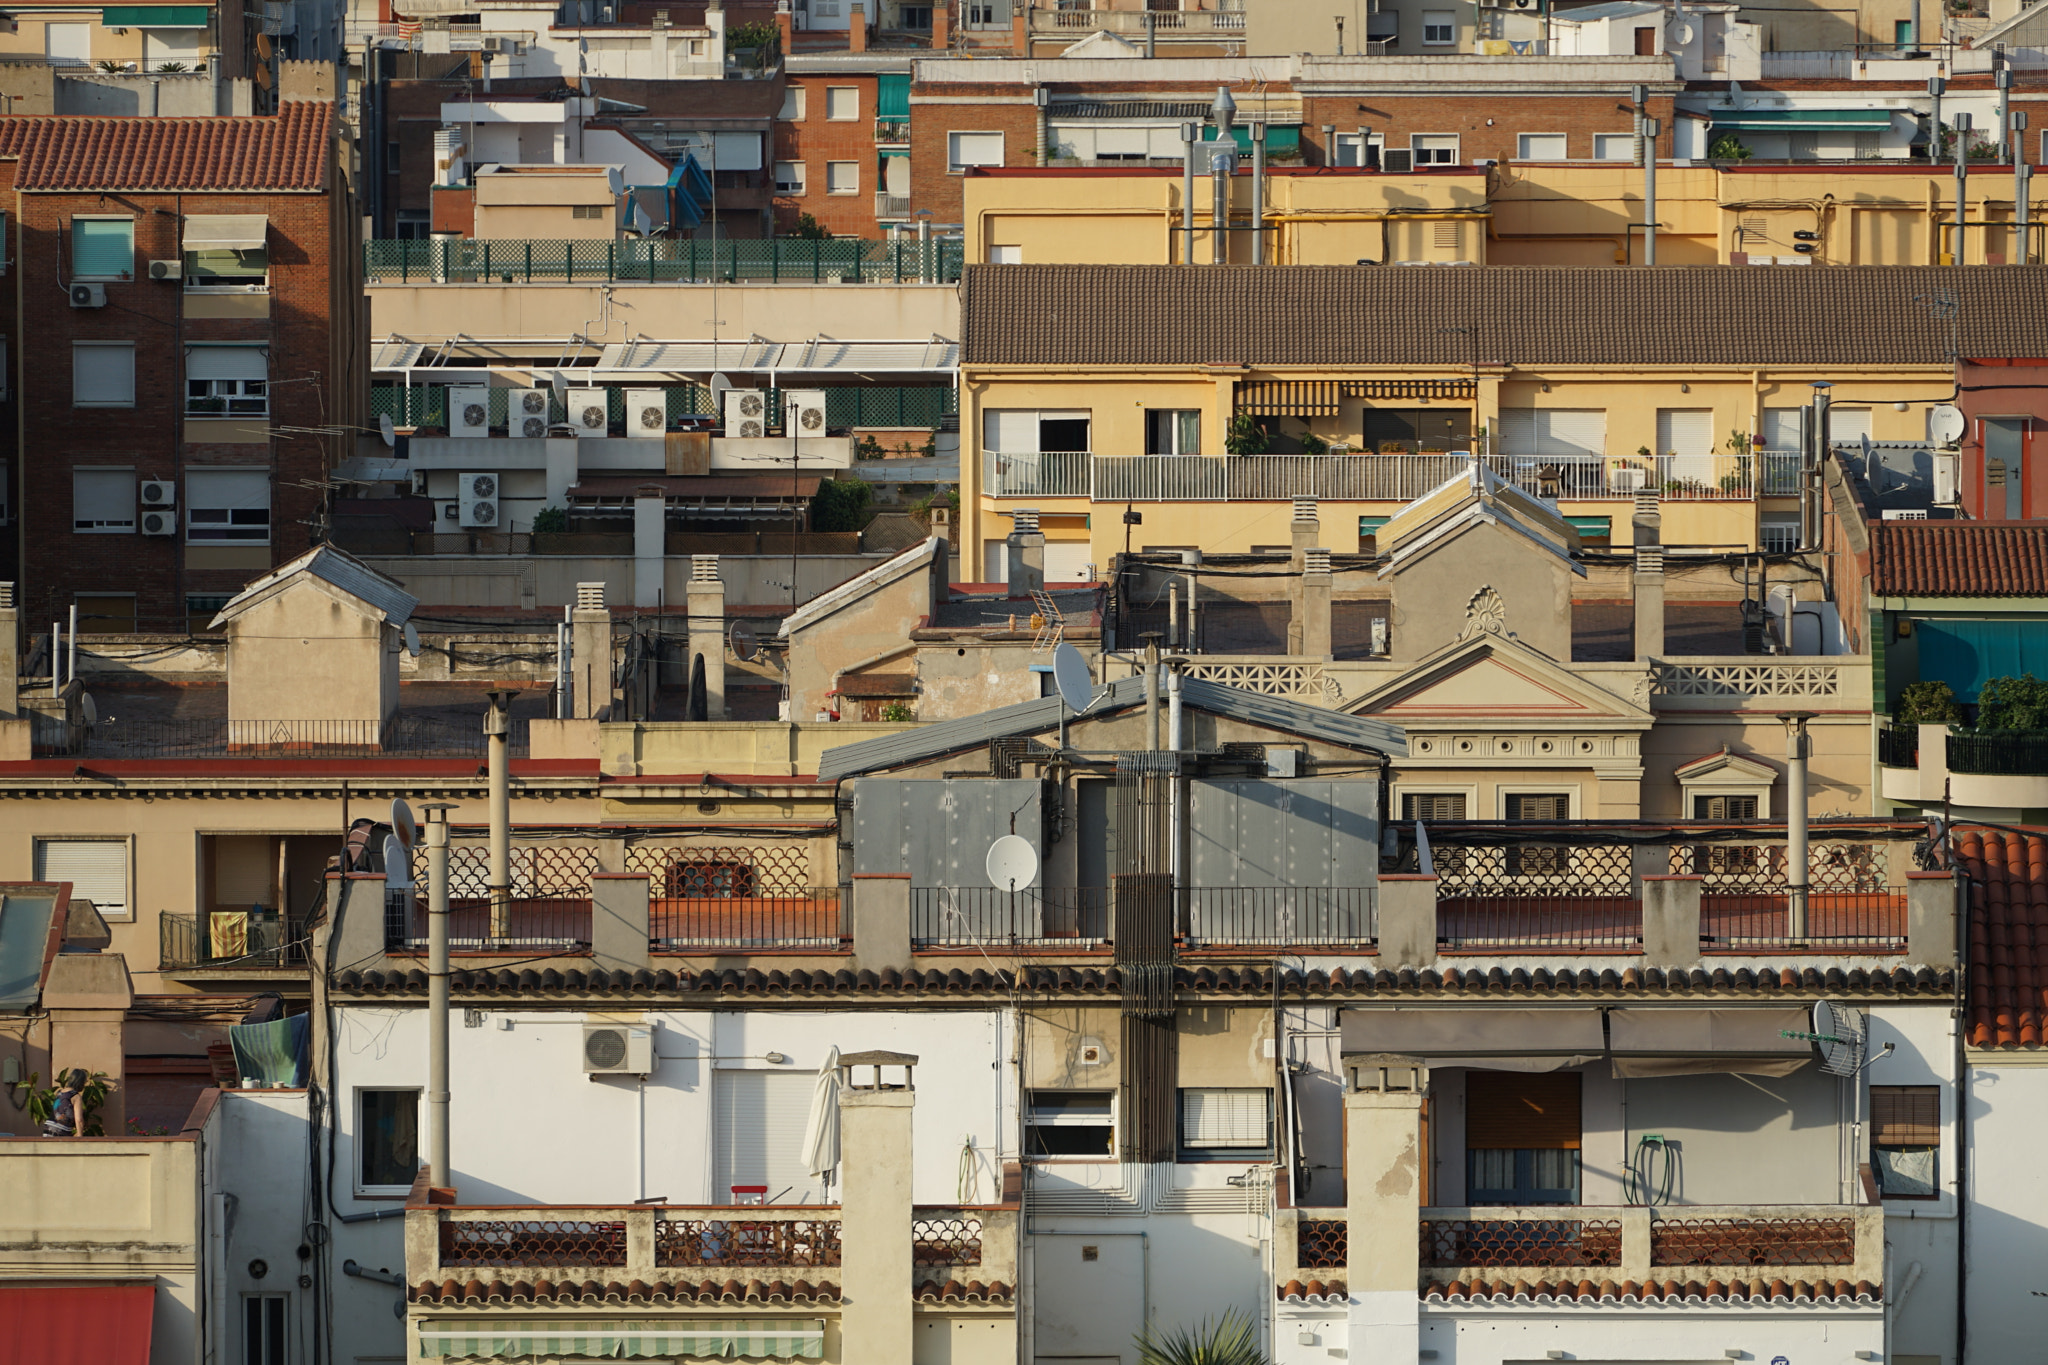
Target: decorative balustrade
x,y
1773,1242
1308,682
943,1241
1727,681
1518,894
1133,23
748,1241
552,1242
1546,1242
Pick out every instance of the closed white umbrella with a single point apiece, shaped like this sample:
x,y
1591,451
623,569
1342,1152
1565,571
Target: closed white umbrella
x,y
821,1132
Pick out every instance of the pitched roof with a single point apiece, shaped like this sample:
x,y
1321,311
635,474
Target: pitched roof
x,y
337,568
1959,558
289,150
1681,315
2008,934
917,557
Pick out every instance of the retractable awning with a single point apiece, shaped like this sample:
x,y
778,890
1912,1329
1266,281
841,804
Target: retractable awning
x,y
1802,120
753,1338
153,16
77,1324
1497,1040
226,232
1679,1042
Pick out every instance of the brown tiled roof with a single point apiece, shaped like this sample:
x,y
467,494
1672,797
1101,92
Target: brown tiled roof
x,y
290,150
1530,315
1315,1291
2008,872
1759,1291
1959,558
476,1293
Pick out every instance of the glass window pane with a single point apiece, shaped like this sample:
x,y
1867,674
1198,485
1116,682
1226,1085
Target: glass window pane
x,y
389,1137
103,247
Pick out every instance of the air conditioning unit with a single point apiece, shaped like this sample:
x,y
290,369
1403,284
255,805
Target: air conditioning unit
x,y
167,270
590,411
479,501
1338,448
646,412
1397,161
1903,514
88,296
469,412
618,1049
527,413
158,493
161,522
806,407
746,412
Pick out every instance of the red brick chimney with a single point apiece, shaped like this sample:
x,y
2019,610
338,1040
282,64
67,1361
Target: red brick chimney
x,y
1020,31
857,29
942,25
785,25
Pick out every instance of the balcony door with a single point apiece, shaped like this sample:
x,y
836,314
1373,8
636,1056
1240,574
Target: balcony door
x,y
1522,1137
2005,480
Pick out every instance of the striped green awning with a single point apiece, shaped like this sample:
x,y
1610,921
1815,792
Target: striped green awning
x,y
1803,120
1592,526
1281,139
892,98
154,16
746,1338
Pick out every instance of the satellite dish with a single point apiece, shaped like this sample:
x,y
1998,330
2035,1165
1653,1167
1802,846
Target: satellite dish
x,y
1679,32
88,711
1070,675
1945,423
743,642
402,823
1012,863
1838,1037
397,865
387,430
412,640
718,385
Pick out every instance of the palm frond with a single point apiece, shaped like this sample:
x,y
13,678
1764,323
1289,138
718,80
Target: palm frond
x,y
1232,1339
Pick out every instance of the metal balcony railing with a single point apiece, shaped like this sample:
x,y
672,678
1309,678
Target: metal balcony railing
x,y
1898,746
218,737
2010,753
1279,916
1063,917
226,940
659,261
773,919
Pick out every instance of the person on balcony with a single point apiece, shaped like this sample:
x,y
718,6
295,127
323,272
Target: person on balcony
x,y
67,1114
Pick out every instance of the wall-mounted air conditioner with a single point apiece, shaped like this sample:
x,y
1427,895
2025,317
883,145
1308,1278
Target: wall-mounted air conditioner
x,y
1397,161
527,412
88,296
160,521
646,412
746,412
478,503
590,412
157,493
618,1049
469,412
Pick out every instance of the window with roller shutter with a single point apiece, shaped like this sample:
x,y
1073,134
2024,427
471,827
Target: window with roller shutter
x,y
1905,1140
759,1119
1522,1137
1560,433
1225,1124
96,868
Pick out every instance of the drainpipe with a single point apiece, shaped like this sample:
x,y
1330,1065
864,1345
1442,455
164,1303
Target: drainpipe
x,y
1173,742
2002,78
1651,128
1222,162
1151,34
498,726
1962,182
1190,139
1796,751
1639,100
1810,476
1043,150
442,1175
1152,690
1258,196
2022,189
1329,144
1935,86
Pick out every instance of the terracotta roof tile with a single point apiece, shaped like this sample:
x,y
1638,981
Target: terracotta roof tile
x,y
1959,558
1314,1291
290,150
2008,871
473,1292
1066,315
973,1291
1773,1293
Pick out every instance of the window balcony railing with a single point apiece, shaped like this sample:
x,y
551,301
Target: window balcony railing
x,y
230,940
892,131
660,261
218,737
807,918
2011,753
1898,746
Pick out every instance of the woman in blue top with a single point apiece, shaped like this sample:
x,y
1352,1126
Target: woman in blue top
x,y
64,1117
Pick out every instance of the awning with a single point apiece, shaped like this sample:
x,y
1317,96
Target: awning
x,y
756,1338
76,1324
1498,1040
153,16
1282,139
226,232
1803,120
1678,1042
892,95
1592,526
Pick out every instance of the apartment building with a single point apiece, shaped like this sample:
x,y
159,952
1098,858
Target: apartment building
x,y
842,142
190,287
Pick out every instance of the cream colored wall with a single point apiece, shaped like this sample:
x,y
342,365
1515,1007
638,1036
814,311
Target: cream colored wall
x,y
1054,1039
431,313
876,623
275,646
1225,1045
542,222
1434,585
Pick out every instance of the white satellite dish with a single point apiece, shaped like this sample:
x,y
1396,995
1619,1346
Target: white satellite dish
x,y
718,385
397,865
387,430
745,645
1679,32
1945,423
88,711
402,823
1070,675
412,640
1012,863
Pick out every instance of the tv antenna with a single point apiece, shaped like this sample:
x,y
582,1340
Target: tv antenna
x,y
1052,623
1838,1036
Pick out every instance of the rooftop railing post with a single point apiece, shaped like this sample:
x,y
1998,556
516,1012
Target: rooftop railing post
x,y
441,1173
498,727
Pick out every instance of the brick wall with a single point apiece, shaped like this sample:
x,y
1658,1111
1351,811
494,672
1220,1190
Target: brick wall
x,y
816,140
307,390
1487,128
932,185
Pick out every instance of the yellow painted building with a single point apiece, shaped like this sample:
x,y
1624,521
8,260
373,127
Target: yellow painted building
x,y
1515,213
1090,390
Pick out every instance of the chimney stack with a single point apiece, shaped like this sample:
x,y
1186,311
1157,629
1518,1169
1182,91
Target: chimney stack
x,y
706,681
857,29
1304,531
1649,577
875,1209
1314,617
10,653
1026,553
590,646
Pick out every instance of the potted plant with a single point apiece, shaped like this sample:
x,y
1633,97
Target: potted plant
x,y
1246,436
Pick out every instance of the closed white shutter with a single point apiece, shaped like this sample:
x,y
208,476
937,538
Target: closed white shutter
x,y
1556,432
1848,426
1123,142
227,362
975,149
738,151
1685,431
102,374
760,1118
1066,561
1782,428
1223,1118
96,868
1009,431
103,500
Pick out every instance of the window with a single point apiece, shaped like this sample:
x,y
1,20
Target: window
x,y
387,1140
792,110
103,374
1431,807
1521,1137
1025,431
103,501
1006,255
1905,1140
1685,431
789,177
758,1120
973,149
1537,860
1349,146
842,103
96,868
1228,1124
1646,41
1724,808
1439,27
1071,1123
1902,32
1122,144
263,1338
1614,147
1783,428
1540,147
1780,533
1556,432
842,177
103,248
917,18
201,608
227,506
67,44
1173,431
587,211
1434,149
227,381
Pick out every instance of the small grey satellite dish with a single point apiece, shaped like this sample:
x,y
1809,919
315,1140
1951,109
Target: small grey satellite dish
x,y
402,823
1945,423
1070,675
1012,863
412,640
88,710
397,864
745,646
387,429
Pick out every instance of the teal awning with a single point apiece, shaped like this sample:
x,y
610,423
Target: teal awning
x,y
1803,120
892,99
1592,526
24,947
1281,139
1370,526
1967,654
753,1338
154,16
888,152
